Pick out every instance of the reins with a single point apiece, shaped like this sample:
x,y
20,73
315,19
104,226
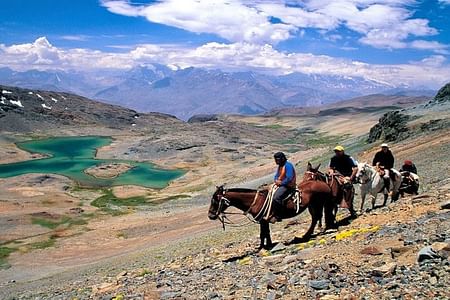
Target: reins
x,y
222,216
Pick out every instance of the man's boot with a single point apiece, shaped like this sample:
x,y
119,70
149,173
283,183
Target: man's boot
x,y
277,210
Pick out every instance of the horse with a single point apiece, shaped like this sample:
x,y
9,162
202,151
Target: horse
x,y
409,184
373,183
342,195
312,195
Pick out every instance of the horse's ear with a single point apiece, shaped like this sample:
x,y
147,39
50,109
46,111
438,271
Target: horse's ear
x,y
309,166
318,166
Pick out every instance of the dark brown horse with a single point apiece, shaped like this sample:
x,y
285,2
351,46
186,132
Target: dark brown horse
x,y
342,196
313,195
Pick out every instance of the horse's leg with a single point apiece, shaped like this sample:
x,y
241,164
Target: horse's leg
x,y
264,235
320,222
330,218
385,195
351,195
363,198
316,214
374,198
396,188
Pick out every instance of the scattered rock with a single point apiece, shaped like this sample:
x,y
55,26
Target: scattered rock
x,y
372,250
426,253
319,284
445,205
385,270
76,210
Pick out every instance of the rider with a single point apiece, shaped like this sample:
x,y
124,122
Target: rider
x,y
345,167
409,176
285,180
385,160
343,163
408,166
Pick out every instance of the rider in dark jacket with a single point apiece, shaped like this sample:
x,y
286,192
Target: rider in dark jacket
x,y
385,160
343,163
345,167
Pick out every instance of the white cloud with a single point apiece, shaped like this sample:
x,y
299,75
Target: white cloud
x,y
396,35
432,71
228,19
121,8
40,52
445,1
381,23
79,38
430,45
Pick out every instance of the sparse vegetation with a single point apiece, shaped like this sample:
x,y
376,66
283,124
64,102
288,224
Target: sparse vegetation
x,y
44,244
4,253
65,220
110,199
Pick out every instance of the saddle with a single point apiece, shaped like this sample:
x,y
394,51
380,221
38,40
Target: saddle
x,y
347,188
293,196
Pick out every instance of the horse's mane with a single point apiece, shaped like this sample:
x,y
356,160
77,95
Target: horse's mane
x,y
241,190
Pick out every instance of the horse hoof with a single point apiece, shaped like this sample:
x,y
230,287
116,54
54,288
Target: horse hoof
x,y
298,240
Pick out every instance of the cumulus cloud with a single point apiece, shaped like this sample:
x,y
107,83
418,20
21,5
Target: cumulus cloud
x,y
42,55
432,71
228,19
381,23
41,52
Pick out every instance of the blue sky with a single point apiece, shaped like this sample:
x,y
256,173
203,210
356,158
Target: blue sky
x,y
405,41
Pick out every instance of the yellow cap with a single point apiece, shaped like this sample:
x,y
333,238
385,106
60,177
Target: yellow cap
x,y
339,148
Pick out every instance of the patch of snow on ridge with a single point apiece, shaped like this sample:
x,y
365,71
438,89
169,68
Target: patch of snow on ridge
x,y
18,103
6,92
3,100
45,106
39,96
54,99
30,93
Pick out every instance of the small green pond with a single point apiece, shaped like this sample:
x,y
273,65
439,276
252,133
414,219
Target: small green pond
x,y
70,156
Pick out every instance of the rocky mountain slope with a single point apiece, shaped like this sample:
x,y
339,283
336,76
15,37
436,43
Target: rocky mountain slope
x,y
191,91
24,110
427,117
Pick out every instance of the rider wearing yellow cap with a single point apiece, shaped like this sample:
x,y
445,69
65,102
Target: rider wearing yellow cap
x,y
343,163
344,168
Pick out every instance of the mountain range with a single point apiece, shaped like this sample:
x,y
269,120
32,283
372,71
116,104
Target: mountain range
x,y
191,91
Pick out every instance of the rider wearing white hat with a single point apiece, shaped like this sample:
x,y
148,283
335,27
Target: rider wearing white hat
x,y
385,160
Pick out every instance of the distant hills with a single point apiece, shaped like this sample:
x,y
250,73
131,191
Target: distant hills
x,y
26,110
192,91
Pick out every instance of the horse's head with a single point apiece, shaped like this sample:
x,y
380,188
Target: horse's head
x,y
364,172
311,172
218,203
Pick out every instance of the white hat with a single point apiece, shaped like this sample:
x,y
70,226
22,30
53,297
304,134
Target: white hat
x,y
384,145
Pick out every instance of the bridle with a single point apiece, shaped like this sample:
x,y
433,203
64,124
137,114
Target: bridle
x,y
364,172
221,214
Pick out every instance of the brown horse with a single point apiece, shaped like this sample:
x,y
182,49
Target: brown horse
x,y
313,195
342,196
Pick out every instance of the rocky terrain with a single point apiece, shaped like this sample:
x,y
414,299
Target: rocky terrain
x,y
172,251
400,251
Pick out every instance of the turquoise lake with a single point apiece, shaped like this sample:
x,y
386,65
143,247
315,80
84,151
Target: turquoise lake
x,y
70,156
